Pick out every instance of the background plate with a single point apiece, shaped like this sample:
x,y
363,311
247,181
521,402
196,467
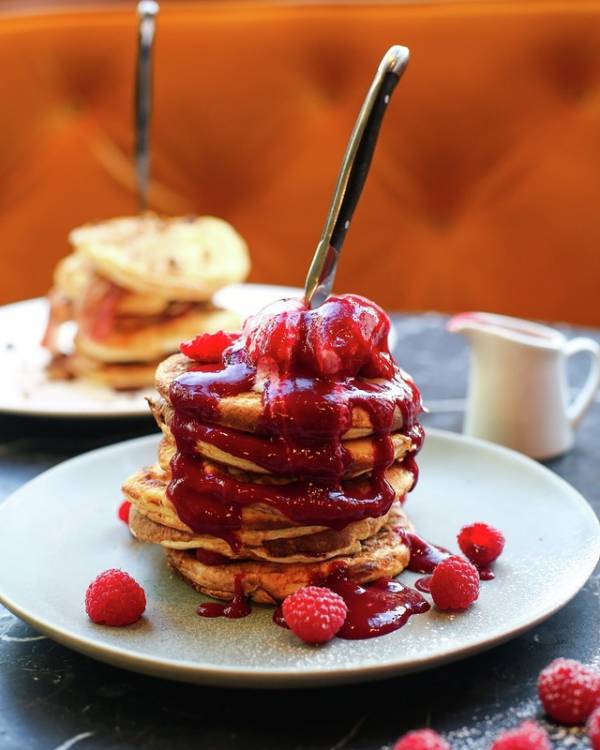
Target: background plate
x,y
25,389
60,530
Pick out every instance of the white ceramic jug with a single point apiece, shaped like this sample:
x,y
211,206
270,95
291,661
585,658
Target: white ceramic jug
x,y
518,392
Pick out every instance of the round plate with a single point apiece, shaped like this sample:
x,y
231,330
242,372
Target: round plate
x,y
60,530
25,389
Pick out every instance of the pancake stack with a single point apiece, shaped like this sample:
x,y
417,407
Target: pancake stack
x,y
135,288
286,453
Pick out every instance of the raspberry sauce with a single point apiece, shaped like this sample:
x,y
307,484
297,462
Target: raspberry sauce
x,y
211,501
424,557
279,619
424,584
375,609
314,369
237,608
379,608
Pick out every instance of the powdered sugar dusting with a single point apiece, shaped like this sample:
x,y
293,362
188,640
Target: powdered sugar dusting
x,y
482,730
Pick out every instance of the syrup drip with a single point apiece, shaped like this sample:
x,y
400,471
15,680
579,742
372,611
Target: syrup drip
x,y
211,502
235,609
207,557
279,619
486,574
275,454
424,557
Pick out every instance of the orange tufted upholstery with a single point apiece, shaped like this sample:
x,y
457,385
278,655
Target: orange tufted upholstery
x,y
484,193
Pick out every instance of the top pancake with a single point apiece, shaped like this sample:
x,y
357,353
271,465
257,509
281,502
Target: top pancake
x,y
184,259
244,411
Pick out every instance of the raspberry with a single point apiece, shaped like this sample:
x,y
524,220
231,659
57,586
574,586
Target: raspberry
x,y
529,736
569,690
422,739
123,512
208,347
593,729
455,584
481,543
114,598
315,614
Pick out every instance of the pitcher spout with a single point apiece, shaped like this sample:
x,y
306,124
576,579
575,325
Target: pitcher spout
x,y
482,325
467,322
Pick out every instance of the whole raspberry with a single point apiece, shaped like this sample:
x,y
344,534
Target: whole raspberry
x,y
123,512
481,543
569,690
114,598
208,347
314,614
455,584
529,736
422,739
593,729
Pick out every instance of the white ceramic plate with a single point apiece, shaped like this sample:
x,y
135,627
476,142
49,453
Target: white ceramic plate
x,y
25,389
60,530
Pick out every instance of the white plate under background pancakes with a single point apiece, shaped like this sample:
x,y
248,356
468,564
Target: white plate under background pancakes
x,y
60,530
25,388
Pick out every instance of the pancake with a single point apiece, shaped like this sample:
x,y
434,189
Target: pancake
x,y
244,411
361,452
72,276
121,376
382,555
146,490
151,342
314,547
185,259
60,312
142,305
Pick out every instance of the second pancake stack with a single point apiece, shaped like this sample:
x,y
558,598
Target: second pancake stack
x,y
282,457
135,287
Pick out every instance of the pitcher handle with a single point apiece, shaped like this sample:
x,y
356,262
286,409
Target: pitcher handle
x,y
582,401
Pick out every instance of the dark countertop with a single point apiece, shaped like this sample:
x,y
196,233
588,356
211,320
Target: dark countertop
x,y
53,699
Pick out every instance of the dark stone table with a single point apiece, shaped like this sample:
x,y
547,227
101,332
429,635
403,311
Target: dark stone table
x,y
52,698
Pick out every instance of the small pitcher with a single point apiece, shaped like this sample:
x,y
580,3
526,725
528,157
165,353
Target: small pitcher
x,y
518,392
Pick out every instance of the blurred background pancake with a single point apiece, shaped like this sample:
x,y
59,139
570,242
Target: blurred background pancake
x,y
135,287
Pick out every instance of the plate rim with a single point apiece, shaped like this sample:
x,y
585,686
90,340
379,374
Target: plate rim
x,y
272,677
49,413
